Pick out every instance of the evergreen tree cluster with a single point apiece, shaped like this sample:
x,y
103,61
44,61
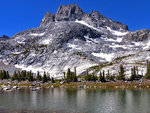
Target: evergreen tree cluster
x,y
23,75
71,76
91,77
102,76
45,78
134,74
4,74
26,75
121,75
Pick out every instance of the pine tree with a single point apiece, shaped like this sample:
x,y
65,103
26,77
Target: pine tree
x,y
19,75
38,77
133,73
74,75
75,72
69,75
108,76
7,75
88,77
112,77
30,76
121,73
103,77
147,75
15,76
44,79
23,75
1,74
53,81
4,75
64,75
100,76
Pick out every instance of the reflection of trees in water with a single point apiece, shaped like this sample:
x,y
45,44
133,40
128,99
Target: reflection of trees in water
x,y
79,100
71,97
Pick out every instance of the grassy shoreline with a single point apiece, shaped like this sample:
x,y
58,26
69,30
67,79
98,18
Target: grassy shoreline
x,y
116,85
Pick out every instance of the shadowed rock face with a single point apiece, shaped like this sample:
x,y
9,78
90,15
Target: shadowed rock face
x,y
49,17
69,13
139,35
71,38
101,21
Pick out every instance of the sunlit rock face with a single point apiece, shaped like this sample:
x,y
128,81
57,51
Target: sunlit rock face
x,y
71,38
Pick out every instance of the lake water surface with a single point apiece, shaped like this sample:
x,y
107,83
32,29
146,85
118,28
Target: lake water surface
x,y
78,100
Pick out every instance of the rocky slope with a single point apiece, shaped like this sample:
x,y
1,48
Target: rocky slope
x,y
71,38
4,38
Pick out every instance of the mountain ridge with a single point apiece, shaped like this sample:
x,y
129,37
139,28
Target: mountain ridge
x,y
69,13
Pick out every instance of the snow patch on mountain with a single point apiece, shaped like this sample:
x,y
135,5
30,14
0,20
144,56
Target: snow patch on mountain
x,y
84,23
20,42
147,45
118,46
46,41
107,57
90,40
118,39
117,33
37,34
73,46
143,45
30,68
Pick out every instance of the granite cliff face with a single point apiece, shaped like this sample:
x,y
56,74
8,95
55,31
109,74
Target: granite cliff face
x,y
71,38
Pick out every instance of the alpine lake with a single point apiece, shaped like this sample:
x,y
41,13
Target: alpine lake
x,y
75,100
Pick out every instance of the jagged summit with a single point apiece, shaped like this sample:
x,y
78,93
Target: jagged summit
x,y
49,17
69,13
64,13
74,12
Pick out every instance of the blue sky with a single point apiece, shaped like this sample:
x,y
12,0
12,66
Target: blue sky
x,y
19,15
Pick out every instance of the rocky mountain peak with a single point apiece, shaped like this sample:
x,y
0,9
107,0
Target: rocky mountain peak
x,y
96,15
3,38
74,12
73,9
49,17
69,13
139,35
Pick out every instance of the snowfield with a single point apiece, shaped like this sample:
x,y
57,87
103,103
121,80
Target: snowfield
x,y
37,34
84,23
117,33
107,57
